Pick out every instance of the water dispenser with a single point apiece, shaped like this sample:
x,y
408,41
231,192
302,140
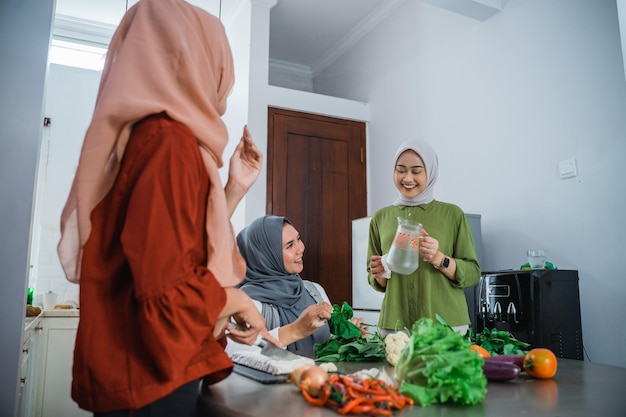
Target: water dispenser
x,y
540,307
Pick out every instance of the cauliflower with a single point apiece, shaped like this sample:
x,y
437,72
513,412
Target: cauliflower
x,y
374,373
328,366
394,343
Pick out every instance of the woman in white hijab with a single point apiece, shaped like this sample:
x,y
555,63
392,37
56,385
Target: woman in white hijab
x,y
448,261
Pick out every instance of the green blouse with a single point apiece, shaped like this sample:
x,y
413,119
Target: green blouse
x,y
427,291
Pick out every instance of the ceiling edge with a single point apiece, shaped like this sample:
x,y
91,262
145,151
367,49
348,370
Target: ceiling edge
x,y
83,30
356,34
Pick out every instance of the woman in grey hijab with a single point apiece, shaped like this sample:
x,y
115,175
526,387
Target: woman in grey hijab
x,y
295,309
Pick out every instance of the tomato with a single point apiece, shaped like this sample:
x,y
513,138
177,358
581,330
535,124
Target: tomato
x,y
540,363
482,352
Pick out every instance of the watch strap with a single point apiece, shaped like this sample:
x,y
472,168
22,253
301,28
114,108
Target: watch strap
x,y
445,262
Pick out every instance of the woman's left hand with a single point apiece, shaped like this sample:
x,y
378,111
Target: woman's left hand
x,y
429,247
358,322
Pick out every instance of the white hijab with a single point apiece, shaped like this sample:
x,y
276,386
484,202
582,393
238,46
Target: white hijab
x,y
431,163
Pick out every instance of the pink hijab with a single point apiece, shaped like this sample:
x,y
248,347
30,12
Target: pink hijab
x,y
165,56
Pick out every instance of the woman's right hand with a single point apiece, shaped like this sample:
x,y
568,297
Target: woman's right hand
x,y
248,324
378,270
313,317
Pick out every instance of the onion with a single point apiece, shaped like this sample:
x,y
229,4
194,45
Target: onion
x,y
294,376
312,379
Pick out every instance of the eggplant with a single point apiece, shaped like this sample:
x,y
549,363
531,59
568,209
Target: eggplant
x,y
511,358
500,371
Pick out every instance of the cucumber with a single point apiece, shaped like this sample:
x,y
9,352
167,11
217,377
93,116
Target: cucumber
x,y
516,359
500,371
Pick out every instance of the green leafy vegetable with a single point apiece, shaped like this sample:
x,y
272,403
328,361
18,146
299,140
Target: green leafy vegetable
x,y
346,342
500,342
340,323
437,365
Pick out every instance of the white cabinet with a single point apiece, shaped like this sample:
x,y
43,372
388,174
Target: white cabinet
x,y
29,397
59,334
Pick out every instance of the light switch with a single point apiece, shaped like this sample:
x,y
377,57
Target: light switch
x,y
567,169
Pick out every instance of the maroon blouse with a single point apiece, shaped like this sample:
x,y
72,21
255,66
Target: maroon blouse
x,y
148,304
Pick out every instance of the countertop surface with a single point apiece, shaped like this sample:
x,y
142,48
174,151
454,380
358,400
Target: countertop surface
x,y
61,312
579,389
30,322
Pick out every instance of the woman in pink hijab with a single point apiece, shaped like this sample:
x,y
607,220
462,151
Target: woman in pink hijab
x,y
146,229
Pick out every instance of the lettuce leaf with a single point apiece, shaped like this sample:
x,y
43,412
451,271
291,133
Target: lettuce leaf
x,y
437,365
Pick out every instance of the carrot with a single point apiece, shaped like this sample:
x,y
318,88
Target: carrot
x,y
312,400
362,388
351,391
317,401
366,397
379,398
363,409
352,404
374,387
333,403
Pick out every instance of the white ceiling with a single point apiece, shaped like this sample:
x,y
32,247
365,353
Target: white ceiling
x,y
313,33
309,34
305,33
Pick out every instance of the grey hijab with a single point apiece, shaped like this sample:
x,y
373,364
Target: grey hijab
x,y
267,281
429,156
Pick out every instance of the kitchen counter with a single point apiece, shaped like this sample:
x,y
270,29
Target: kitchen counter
x,y
31,322
61,312
579,389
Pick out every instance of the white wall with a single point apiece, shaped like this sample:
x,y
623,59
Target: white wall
x,y
258,67
69,103
25,27
504,101
262,96
236,116
70,99
538,75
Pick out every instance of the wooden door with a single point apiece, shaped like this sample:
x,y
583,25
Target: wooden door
x,y
316,177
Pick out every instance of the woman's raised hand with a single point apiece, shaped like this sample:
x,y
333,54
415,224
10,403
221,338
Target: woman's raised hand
x,y
245,164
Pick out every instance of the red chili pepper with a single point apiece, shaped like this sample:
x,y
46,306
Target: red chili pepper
x,y
362,409
353,403
317,401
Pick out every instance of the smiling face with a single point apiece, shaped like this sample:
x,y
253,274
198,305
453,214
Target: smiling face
x,y
409,174
293,250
